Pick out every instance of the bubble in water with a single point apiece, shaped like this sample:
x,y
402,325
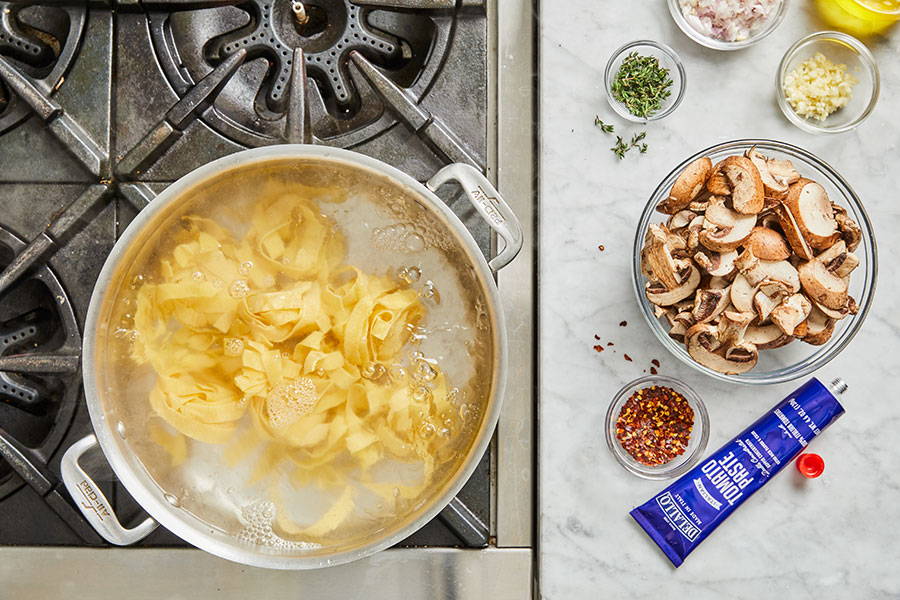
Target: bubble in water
x,y
430,292
409,274
198,276
444,432
424,371
137,281
426,430
239,288
421,394
171,499
397,373
400,237
289,401
320,372
234,346
244,268
464,411
258,529
374,371
413,242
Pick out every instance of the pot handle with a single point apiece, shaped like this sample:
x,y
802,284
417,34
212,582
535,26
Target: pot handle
x,y
93,504
489,204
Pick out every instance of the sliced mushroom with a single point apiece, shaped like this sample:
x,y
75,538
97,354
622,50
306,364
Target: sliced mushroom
x,y
817,329
742,294
699,206
850,308
764,304
717,265
687,186
850,231
733,325
780,271
776,175
658,294
724,229
709,304
702,344
767,337
823,286
792,311
809,204
747,190
718,183
680,219
718,283
768,244
792,232
657,261
677,332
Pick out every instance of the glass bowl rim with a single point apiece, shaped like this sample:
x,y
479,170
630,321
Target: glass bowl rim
x,y
870,266
701,416
617,106
704,40
865,57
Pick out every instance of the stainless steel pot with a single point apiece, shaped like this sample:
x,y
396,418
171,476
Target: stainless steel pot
x,y
112,436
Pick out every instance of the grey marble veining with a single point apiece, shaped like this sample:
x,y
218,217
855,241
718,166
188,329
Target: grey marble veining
x,y
834,537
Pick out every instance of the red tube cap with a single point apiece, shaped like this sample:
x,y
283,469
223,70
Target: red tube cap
x,y
810,465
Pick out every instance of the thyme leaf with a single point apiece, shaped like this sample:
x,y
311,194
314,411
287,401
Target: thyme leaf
x,y
622,146
604,127
641,84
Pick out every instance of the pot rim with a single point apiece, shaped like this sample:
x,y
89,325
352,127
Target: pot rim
x,y
128,468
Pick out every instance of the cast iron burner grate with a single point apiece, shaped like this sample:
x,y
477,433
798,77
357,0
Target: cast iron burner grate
x,y
41,41
39,347
407,42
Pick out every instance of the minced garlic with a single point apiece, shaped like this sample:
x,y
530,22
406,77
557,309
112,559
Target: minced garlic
x,y
817,87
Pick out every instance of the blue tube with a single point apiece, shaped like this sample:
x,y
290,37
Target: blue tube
x,y
686,512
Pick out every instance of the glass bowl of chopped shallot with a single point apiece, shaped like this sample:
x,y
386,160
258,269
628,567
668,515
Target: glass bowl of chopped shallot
x,y
827,82
727,24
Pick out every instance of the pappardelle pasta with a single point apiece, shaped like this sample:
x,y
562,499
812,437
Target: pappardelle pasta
x,y
265,342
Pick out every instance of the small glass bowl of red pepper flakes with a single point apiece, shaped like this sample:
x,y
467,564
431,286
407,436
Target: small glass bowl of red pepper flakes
x,y
657,427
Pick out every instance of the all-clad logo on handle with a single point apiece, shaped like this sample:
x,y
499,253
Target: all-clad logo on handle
x,y
489,205
673,512
92,499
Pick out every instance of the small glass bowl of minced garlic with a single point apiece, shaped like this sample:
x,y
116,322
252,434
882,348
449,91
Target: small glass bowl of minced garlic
x,y
827,82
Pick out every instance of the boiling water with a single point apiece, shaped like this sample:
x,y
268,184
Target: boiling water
x,y
388,233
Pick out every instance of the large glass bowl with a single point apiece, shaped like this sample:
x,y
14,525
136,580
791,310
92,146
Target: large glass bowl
x,y
797,358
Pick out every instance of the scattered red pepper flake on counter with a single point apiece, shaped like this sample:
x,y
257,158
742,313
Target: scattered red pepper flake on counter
x,y
654,362
610,344
623,323
653,371
601,247
598,348
654,425
596,337
628,358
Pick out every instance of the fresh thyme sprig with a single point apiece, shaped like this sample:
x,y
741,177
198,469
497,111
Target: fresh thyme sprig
x,y
604,127
622,146
641,84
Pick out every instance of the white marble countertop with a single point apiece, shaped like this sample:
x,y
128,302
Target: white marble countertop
x,y
834,537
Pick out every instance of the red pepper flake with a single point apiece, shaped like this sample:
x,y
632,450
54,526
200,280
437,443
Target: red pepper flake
x,y
654,362
623,323
601,247
628,358
598,348
653,371
610,344
596,337
654,425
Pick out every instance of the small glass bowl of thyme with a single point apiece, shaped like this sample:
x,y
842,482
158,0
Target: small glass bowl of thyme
x,y
657,427
645,81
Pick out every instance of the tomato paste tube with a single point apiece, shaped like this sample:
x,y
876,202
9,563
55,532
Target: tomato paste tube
x,y
683,514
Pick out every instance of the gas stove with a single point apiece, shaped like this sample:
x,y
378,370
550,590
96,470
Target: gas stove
x,y
103,104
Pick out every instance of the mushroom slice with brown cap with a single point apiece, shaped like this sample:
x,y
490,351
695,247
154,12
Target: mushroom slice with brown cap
x,y
809,204
838,259
767,337
823,286
699,206
792,232
780,271
658,294
792,311
709,304
782,171
724,229
703,345
850,231
849,308
747,190
687,186
768,244
816,329
718,183
716,264
680,219
657,261
773,186
742,294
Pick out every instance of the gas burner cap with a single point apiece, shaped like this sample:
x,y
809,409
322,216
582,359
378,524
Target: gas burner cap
x,y
407,45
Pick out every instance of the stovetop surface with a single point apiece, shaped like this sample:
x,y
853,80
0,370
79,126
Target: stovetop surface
x,y
102,106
